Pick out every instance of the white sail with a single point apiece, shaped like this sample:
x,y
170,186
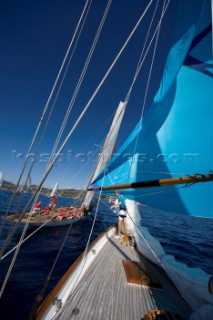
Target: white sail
x,y
108,147
174,116
54,190
25,186
1,178
28,184
159,131
195,280
110,141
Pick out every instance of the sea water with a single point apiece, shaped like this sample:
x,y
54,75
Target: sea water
x,y
189,239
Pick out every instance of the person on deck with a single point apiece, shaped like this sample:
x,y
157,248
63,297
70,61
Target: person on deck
x,y
47,209
53,202
86,209
37,207
122,213
61,214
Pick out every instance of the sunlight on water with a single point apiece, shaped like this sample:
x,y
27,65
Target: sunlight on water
x,y
187,238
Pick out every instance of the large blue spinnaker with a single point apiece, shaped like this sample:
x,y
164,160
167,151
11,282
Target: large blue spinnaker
x,y
175,136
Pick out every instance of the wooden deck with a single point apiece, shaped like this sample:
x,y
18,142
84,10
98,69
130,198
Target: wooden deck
x,y
104,293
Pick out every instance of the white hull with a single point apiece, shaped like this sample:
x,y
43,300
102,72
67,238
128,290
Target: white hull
x,y
192,283
97,286
72,277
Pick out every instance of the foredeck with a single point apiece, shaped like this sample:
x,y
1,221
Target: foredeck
x,y
104,293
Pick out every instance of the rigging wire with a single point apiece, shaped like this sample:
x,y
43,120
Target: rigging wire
x,y
34,197
158,258
89,142
141,61
63,145
146,92
29,236
64,62
139,65
143,57
104,157
14,257
85,9
83,261
42,291
58,91
75,94
156,33
95,92
141,234
64,75
85,108
78,86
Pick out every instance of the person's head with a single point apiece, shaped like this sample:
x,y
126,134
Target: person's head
x,y
117,192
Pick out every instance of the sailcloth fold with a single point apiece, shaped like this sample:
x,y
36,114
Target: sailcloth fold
x,y
107,149
174,136
173,139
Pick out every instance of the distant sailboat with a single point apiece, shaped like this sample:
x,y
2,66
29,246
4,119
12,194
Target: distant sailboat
x,y
54,190
24,187
170,149
1,178
174,126
71,215
28,184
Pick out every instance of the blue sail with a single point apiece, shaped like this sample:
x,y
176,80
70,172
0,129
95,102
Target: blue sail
x,y
175,136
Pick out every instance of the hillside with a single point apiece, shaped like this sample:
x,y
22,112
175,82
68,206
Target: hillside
x,y
69,193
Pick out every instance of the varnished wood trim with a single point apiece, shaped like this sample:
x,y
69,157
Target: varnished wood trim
x,y
126,238
135,273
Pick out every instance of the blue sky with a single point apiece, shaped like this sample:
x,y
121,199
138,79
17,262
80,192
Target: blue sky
x,y
34,38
